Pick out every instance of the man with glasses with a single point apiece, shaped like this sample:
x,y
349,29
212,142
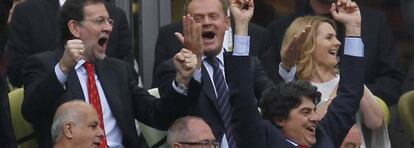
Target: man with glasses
x,y
82,70
34,29
191,131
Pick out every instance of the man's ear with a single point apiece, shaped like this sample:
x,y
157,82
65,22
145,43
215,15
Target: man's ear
x,y
280,123
74,28
68,130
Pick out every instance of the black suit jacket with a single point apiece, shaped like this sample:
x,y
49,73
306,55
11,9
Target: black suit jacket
x,y
7,138
168,45
44,93
383,74
34,28
206,102
331,130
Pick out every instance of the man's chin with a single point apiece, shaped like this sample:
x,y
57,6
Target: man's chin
x,y
211,51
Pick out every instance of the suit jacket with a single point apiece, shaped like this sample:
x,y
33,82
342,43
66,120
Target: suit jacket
x,y
168,45
44,93
331,130
206,101
7,138
34,28
383,74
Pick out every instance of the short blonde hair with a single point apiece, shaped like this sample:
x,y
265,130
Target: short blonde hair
x,y
306,62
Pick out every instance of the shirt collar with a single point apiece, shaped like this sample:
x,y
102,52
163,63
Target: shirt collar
x,y
61,2
291,142
220,56
79,64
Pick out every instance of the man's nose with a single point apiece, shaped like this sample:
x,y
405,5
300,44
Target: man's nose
x,y
206,21
314,118
107,26
100,132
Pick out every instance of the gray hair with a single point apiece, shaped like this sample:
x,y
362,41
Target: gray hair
x,y
224,6
179,129
67,112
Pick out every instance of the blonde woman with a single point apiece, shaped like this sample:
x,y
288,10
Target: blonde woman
x,y
311,54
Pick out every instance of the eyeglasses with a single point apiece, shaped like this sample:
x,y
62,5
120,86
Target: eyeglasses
x,y
203,144
100,21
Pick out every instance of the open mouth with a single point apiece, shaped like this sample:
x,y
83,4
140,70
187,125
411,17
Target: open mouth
x,y
333,52
208,35
102,41
311,129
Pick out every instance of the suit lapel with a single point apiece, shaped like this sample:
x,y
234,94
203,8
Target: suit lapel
x,y
208,88
107,78
74,87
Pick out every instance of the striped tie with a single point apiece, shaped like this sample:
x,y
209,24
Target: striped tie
x,y
223,97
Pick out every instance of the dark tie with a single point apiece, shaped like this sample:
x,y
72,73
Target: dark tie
x,y
223,97
94,98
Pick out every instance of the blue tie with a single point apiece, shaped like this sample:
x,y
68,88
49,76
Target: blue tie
x,y
223,97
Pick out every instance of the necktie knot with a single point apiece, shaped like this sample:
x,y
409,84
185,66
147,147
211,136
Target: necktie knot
x,y
88,66
214,62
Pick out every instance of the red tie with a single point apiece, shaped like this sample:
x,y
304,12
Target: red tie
x,y
94,98
303,146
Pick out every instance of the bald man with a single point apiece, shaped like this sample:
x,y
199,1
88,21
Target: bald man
x,y
190,132
76,124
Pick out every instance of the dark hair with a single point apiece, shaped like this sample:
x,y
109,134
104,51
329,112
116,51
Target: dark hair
x,y
277,101
72,10
224,6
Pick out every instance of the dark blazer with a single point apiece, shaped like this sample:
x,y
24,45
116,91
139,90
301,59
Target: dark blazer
x,y
331,130
168,45
383,74
34,28
206,103
7,138
44,93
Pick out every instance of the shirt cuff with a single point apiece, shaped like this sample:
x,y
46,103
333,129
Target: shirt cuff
x,y
197,75
241,45
62,77
287,76
180,88
354,47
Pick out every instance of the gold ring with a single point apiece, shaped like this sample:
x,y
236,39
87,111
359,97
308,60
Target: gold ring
x,y
82,50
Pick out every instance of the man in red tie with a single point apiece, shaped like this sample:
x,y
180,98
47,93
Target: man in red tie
x,y
83,71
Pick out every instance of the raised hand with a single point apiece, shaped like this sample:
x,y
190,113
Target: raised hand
x,y
192,39
347,12
242,12
185,63
74,51
290,53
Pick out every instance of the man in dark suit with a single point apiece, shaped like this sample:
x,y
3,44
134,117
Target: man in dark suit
x,y
167,45
34,28
216,62
383,77
289,109
83,71
7,138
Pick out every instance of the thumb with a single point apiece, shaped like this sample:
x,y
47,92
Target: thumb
x,y
180,37
334,13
